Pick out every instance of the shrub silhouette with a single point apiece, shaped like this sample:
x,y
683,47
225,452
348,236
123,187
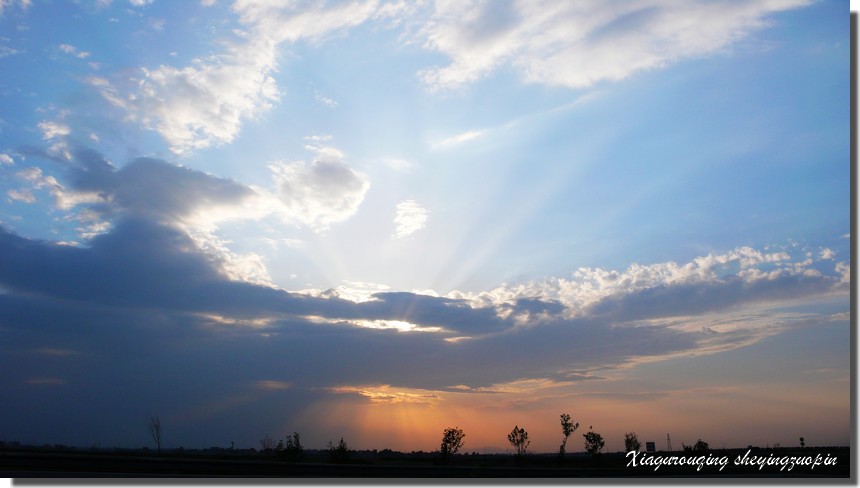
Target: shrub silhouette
x,y
631,442
292,451
593,442
339,453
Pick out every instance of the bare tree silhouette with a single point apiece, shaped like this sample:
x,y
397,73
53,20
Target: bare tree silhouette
x,y
153,426
267,443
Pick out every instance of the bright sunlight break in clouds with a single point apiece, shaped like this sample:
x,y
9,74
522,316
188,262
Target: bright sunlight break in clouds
x,y
377,219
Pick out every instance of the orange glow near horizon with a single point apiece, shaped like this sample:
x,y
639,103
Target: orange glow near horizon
x,y
403,419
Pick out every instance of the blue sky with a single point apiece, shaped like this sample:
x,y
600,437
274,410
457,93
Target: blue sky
x,y
473,212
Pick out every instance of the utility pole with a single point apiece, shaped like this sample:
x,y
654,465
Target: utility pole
x,y
669,442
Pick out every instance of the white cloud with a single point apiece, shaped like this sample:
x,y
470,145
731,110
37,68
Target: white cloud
x,y
358,291
7,51
282,22
4,4
827,253
399,164
410,217
63,199
72,50
328,102
318,138
578,44
248,267
321,193
459,138
23,195
206,103
588,286
97,81
140,3
53,130
6,159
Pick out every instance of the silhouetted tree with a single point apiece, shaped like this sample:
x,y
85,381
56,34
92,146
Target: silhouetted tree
x,y
153,426
519,438
802,442
567,428
293,450
593,442
267,444
452,441
699,446
339,453
631,442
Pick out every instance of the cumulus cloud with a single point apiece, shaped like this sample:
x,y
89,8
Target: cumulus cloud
x,y
579,44
410,217
96,194
712,282
6,159
207,102
320,193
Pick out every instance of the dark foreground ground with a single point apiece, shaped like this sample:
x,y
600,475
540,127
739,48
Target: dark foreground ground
x,y
740,463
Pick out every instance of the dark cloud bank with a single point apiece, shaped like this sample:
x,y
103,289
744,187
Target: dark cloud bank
x,y
140,319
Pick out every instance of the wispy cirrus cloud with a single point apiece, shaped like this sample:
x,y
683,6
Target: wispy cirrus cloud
x,y
207,102
579,44
459,139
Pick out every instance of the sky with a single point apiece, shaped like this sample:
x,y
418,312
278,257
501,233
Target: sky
x,y
376,219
